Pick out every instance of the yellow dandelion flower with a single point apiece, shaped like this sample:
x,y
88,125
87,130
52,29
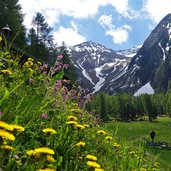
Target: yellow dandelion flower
x,y
39,63
6,71
45,150
29,63
132,153
31,153
30,59
79,126
80,144
93,164
75,110
18,128
91,157
0,38
7,147
49,130
6,135
108,138
101,132
86,126
72,118
98,169
6,126
156,165
49,158
30,69
116,145
47,169
71,123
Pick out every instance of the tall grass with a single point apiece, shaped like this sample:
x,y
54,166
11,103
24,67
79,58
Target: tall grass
x,y
42,126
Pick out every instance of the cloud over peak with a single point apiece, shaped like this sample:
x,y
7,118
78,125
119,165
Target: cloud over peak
x,y
119,35
69,35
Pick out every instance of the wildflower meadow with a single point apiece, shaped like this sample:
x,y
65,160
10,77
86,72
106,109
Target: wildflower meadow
x,y
44,128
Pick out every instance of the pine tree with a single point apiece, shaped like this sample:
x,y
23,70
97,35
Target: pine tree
x,y
102,107
32,41
44,39
10,13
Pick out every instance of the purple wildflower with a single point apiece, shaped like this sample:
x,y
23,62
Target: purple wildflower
x,y
0,113
65,66
58,84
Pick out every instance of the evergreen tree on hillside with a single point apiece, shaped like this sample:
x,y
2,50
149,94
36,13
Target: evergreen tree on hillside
x,y
40,38
103,107
149,107
10,13
32,41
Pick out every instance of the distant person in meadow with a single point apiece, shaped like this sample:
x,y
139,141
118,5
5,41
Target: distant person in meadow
x,y
152,135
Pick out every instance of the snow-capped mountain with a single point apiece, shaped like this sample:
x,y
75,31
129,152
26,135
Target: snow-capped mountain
x,y
151,64
129,52
142,68
95,64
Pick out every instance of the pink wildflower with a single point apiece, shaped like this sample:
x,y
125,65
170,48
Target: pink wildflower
x,y
58,84
65,66
60,57
44,115
45,66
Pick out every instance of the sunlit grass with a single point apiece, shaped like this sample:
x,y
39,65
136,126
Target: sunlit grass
x,y
134,132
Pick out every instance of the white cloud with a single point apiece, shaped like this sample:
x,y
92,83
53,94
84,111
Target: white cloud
x,y
119,35
69,35
121,6
157,9
52,9
80,9
106,21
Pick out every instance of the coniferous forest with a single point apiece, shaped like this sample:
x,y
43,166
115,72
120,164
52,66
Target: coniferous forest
x,y
125,107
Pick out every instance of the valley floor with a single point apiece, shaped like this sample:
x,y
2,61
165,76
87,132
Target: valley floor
x,y
134,132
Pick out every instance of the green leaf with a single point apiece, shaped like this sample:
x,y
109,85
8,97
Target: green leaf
x,y
6,96
57,77
59,160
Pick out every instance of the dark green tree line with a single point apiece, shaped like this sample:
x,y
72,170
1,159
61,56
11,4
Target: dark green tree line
x,y
126,107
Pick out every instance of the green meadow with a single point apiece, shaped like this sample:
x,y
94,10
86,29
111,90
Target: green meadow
x,y
135,132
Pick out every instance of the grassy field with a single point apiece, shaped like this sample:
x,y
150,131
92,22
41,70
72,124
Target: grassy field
x,y
134,132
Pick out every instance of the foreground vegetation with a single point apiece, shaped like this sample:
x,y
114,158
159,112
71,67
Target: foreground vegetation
x,y
42,126
135,132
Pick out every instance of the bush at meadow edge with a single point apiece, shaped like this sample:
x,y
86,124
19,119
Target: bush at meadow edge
x,y
42,126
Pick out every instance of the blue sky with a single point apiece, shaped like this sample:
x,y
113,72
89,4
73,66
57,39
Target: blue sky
x,y
116,24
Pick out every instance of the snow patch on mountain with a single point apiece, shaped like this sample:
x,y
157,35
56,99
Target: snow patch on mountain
x,y
99,84
164,56
86,75
146,89
129,52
